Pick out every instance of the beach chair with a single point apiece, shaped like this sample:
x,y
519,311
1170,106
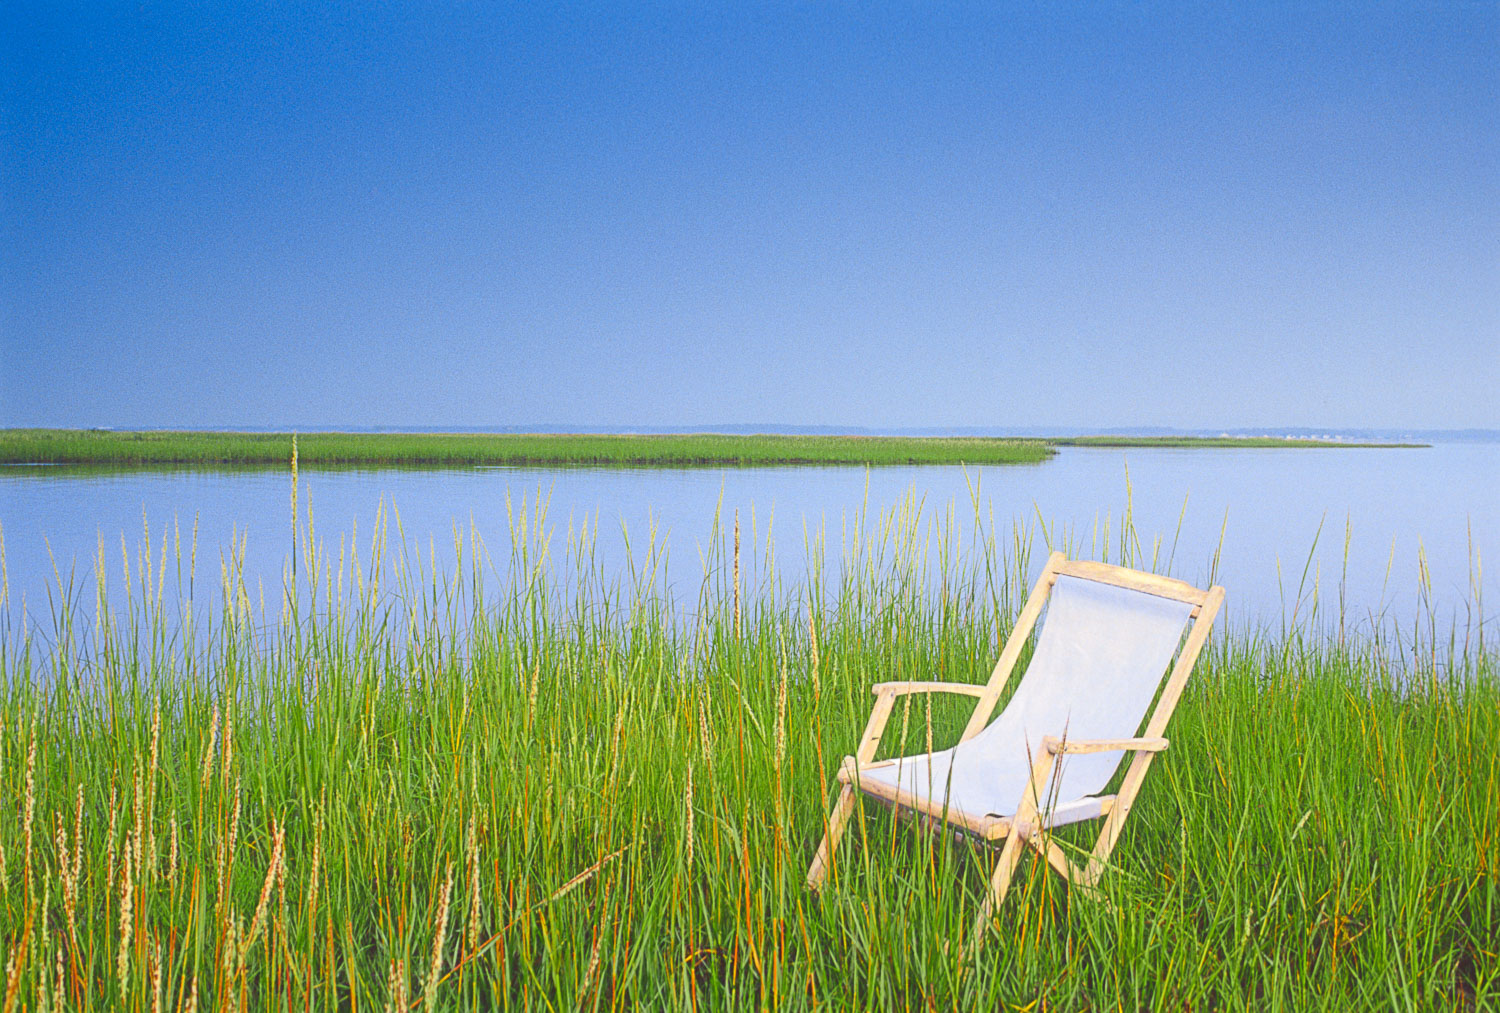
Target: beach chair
x,y
1108,639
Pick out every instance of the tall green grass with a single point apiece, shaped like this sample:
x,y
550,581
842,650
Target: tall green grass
x,y
79,447
401,788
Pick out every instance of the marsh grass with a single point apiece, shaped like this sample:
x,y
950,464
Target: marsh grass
x,y
83,447
405,790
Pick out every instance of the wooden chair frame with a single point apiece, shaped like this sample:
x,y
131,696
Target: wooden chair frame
x,y
1028,825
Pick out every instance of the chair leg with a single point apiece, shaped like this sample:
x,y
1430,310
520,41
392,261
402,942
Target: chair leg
x,y
823,860
1026,817
1005,868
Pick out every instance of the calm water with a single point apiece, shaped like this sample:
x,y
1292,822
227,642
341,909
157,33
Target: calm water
x,y
1442,500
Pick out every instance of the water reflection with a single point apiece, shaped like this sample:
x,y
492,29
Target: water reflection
x,y
1374,534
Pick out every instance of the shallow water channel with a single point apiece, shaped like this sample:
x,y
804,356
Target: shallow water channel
x,y
1437,507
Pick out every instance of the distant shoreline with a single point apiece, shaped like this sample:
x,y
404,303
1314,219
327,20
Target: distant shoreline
x,y
1248,442
267,450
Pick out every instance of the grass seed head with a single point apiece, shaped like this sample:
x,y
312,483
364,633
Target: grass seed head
x,y
439,931
812,640
278,841
396,988
208,752
317,864
226,751
688,820
29,808
114,818
154,955
471,847
138,808
13,968
77,835
705,737
127,922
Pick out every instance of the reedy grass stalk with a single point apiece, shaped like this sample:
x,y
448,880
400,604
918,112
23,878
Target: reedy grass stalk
x,y
626,798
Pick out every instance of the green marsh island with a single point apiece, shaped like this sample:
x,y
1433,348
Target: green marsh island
x,y
220,449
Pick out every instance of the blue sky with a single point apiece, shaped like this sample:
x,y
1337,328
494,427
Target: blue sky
x,y
478,214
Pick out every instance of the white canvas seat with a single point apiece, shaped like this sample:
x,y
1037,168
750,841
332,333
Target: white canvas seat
x,y
1109,637
1101,656
982,810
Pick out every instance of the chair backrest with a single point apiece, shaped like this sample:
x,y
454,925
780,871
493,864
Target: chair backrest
x,y
1098,664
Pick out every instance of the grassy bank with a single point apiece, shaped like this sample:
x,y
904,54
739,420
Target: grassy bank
x,y
404,789
203,449
65,446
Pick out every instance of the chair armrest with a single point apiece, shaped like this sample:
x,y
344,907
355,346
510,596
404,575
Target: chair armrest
x,y
900,688
1056,745
885,698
